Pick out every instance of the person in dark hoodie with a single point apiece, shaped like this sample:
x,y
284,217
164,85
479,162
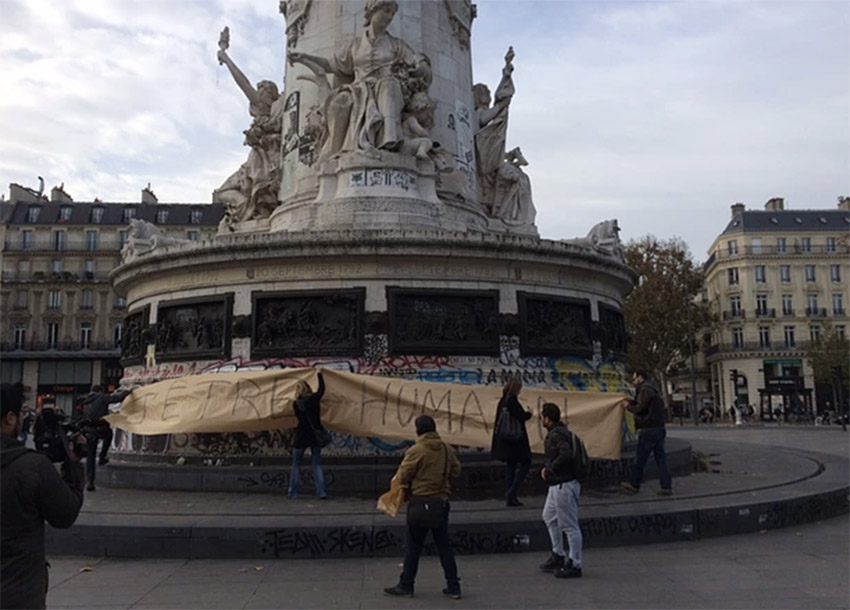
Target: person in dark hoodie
x,y
307,410
31,492
93,408
650,417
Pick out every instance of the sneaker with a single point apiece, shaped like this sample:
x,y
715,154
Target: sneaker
x,y
628,487
555,562
399,591
90,487
568,571
103,461
665,492
453,592
512,501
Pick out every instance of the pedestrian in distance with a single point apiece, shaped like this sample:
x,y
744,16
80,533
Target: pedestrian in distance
x,y
309,434
566,459
510,439
650,417
425,471
31,492
91,411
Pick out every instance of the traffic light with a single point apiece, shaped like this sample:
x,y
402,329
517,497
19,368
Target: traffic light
x,y
835,370
733,377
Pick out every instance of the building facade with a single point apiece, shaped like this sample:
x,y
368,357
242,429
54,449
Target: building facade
x,y
775,278
61,324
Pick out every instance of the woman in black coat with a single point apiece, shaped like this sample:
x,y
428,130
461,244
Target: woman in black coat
x,y
309,419
515,453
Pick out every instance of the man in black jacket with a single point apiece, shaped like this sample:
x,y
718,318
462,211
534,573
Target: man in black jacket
x,y
650,417
560,512
93,408
32,492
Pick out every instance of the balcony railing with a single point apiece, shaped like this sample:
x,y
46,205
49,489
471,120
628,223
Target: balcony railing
x,y
773,250
734,315
765,313
62,346
754,346
839,313
50,276
788,313
69,245
816,312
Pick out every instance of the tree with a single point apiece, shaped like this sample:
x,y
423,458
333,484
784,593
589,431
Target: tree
x,y
829,356
662,313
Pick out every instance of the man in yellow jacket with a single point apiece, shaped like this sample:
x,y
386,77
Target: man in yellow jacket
x,y
425,472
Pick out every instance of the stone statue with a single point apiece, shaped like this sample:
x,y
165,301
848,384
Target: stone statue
x,y
603,238
512,193
417,122
252,191
376,75
295,12
491,128
144,238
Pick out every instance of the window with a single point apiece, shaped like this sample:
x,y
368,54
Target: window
x,y
85,335
835,273
26,239
810,273
830,244
756,242
161,216
738,338
806,244
780,245
87,301
841,331
120,303
51,334
761,305
54,299
56,266
732,246
787,305
735,306
32,213
129,214
192,235
838,304
96,214
812,303
814,332
91,241
59,241
20,335
764,336
195,216
21,299
789,337
89,267
117,334
122,239
65,213
785,274
760,276
733,276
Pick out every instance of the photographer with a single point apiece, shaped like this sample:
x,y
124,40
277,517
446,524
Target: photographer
x,y
31,492
91,411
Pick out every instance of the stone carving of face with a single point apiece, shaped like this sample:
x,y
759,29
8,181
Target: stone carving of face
x,y
482,96
382,15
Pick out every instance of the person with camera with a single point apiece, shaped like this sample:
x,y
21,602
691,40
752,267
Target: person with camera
x,y
91,411
425,472
31,492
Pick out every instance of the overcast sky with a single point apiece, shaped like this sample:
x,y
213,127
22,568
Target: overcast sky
x,y
659,114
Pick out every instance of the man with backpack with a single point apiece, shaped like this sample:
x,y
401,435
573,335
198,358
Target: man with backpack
x,y
650,416
566,463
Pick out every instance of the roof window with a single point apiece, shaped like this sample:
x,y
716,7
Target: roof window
x,y
773,220
798,220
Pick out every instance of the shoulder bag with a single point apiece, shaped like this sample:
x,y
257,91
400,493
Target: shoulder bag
x,y
508,427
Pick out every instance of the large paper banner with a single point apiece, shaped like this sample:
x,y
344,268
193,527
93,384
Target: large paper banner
x,y
362,405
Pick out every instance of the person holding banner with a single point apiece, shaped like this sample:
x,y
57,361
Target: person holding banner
x,y
309,433
510,439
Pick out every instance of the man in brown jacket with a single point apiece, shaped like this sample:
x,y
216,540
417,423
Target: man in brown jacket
x,y
650,416
425,472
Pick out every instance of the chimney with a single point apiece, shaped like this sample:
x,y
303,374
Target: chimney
x,y
738,208
57,193
775,204
23,193
844,203
148,195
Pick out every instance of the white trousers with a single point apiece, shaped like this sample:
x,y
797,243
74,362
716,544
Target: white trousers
x,y
560,514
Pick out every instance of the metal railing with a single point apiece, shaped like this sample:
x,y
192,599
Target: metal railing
x,y
766,313
816,312
739,314
753,346
794,250
63,346
51,276
69,245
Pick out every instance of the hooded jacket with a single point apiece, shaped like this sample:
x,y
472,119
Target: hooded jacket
x,y
31,492
648,407
428,466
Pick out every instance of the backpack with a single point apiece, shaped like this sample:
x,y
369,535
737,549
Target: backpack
x,y
581,463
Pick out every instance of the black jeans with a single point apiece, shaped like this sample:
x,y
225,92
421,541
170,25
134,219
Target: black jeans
x,y
514,479
414,541
93,435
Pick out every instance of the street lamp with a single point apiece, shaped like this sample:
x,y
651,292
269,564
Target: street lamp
x,y
690,305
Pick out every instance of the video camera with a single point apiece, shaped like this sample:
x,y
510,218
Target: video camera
x,y
54,436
